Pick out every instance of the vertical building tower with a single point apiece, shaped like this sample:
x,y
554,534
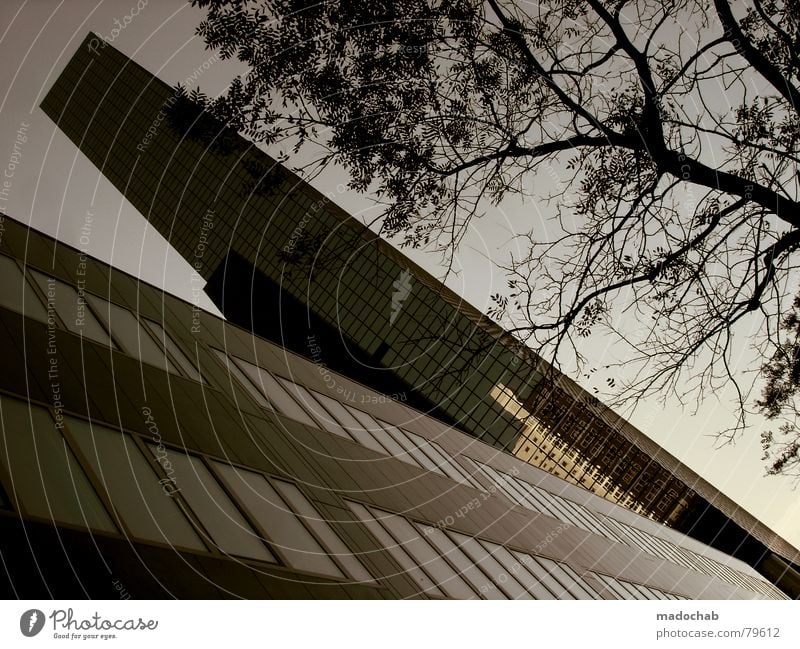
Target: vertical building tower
x,y
284,261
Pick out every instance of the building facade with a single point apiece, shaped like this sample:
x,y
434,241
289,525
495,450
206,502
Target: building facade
x,y
283,261
152,451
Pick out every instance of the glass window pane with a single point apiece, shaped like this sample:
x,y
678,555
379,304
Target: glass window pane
x,y
565,578
367,439
621,531
515,493
323,530
463,471
223,521
188,366
43,471
544,505
558,506
133,486
615,587
71,308
380,438
622,589
586,523
134,338
391,443
314,407
407,564
279,397
16,293
518,569
472,573
511,567
579,582
446,578
485,560
543,575
644,591
366,420
351,425
338,410
440,461
507,487
412,454
657,594
448,464
605,530
243,379
285,531
628,586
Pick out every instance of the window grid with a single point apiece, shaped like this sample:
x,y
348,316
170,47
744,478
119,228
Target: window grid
x,y
544,502
288,536
92,444
321,411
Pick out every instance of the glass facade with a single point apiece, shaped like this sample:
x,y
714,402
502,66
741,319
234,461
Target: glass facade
x,y
286,487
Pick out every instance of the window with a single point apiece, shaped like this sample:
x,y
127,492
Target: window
x,y
133,486
507,486
241,377
559,507
447,463
519,570
468,570
615,587
276,394
515,490
426,556
222,520
602,528
538,570
338,410
323,530
45,475
288,535
16,293
71,308
188,366
482,557
409,451
134,338
322,417
352,425
391,444
567,577
406,563
635,593
370,433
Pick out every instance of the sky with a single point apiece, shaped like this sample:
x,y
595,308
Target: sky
x,y
54,187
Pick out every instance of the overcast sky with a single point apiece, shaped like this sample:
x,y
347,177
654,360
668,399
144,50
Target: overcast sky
x,y
54,187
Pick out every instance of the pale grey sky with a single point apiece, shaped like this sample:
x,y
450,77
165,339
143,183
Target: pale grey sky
x,y
54,187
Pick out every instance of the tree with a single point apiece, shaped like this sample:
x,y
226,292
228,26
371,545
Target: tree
x,y
663,134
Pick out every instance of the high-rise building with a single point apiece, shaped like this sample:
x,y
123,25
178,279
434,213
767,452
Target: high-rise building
x,y
283,261
151,450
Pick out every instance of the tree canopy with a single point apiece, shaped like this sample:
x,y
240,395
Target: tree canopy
x,y
663,134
